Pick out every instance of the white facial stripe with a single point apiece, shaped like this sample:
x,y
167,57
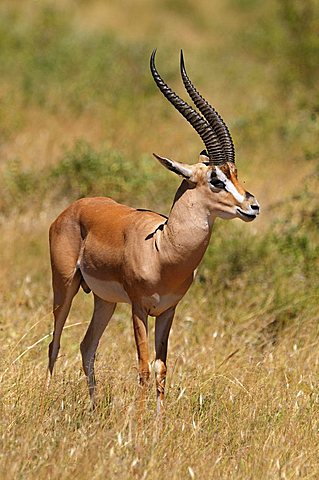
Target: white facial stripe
x,y
229,186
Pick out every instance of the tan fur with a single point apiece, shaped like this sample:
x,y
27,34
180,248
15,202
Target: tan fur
x,y
138,257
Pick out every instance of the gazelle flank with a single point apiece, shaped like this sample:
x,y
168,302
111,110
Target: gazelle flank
x,y
140,257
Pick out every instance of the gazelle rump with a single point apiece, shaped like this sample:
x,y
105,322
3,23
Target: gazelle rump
x,y
140,257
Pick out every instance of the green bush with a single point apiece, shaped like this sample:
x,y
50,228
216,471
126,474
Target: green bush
x,y
84,171
18,187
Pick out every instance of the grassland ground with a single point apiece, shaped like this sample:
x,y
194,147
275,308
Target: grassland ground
x,y
80,116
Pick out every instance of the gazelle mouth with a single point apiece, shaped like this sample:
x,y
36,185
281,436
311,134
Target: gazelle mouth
x,y
248,216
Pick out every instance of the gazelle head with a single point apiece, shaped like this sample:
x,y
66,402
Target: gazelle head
x,y
215,175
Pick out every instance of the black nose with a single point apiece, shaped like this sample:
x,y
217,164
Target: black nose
x,y
254,207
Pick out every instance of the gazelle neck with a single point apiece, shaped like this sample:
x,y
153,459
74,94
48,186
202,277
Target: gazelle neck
x,y
187,233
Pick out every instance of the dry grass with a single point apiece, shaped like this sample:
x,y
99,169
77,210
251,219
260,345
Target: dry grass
x,y
253,414
243,391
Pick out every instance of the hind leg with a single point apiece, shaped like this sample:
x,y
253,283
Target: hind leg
x,y
102,314
65,245
63,294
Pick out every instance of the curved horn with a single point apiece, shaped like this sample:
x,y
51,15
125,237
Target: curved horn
x,y
211,115
205,131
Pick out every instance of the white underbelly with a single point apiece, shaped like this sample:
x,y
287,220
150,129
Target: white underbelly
x,y
113,292
108,290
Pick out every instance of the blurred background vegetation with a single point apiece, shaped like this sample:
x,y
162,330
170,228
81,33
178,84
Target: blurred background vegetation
x,y
80,116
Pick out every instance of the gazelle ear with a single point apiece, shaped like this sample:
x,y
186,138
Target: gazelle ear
x,y
176,167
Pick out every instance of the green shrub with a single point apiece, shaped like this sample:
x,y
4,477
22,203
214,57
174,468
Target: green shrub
x,y
19,187
84,171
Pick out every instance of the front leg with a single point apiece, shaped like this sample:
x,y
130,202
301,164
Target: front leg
x,y
162,328
141,339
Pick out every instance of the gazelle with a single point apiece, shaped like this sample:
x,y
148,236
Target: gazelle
x,y
139,257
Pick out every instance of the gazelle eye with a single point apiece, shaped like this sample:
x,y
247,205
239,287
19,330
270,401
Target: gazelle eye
x,y
217,183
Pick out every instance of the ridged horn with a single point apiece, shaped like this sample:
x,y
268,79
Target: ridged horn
x,y
211,115
205,131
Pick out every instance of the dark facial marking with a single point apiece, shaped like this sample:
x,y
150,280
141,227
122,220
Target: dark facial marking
x,y
214,180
